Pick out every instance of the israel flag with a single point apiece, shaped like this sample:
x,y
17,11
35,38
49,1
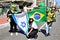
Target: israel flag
x,y
22,21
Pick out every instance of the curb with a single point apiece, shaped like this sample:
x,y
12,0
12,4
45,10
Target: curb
x,y
4,25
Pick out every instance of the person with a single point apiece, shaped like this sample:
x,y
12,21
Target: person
x,y
50,17
59,10
33,29
13,27
21,8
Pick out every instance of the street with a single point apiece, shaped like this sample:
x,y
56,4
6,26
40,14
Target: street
x,y
54,33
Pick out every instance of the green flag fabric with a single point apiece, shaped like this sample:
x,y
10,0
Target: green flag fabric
x,y
39,14
42,4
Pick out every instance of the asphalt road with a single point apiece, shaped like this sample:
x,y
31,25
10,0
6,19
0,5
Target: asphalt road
x,y
54,33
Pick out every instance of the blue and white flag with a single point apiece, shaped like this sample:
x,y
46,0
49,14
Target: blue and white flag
x,y
22,21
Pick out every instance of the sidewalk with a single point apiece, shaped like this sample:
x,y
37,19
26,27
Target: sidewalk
x,y
3,20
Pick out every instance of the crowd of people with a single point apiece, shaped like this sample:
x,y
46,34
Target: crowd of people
x,y
33,28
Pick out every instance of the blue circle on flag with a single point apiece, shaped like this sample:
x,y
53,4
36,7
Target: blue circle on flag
x,y
37,16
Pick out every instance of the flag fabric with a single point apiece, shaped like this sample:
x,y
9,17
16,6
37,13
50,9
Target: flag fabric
x,y
42,4
38,14
22,21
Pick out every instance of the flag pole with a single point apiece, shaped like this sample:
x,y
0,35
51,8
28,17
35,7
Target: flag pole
x,y
45,25
42,26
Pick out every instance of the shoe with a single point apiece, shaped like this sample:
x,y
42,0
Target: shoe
x,y
16,33
35,37
15,30
11,34
29,39
47,34
10,31
50,27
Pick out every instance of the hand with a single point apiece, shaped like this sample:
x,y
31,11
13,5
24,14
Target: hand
x,y
9,20
27,34
10,14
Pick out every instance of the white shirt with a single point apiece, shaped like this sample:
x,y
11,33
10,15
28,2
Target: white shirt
x,y
34,25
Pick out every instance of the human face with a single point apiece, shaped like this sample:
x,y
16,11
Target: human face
x,y
31,20
13,9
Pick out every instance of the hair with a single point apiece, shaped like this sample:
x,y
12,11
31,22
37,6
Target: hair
x,y
20,6
30,21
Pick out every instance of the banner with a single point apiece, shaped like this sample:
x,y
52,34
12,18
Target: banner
x,y
22,21
38,14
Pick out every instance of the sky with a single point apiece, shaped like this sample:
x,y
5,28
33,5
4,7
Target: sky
x,y
58,2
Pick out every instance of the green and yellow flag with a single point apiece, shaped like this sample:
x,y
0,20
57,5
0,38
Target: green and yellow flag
x,y
39,14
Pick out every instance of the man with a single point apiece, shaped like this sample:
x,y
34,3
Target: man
x,y
13,27
50,20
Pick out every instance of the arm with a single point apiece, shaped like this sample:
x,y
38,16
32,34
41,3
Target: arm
x,y
31,30
8,14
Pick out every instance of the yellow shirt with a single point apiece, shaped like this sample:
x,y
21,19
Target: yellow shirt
x,y
49,17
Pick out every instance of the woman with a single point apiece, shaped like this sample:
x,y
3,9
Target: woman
x,y
33,30
50,16
50,20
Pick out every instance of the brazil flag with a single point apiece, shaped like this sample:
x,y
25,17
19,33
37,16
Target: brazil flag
x,y
38,14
